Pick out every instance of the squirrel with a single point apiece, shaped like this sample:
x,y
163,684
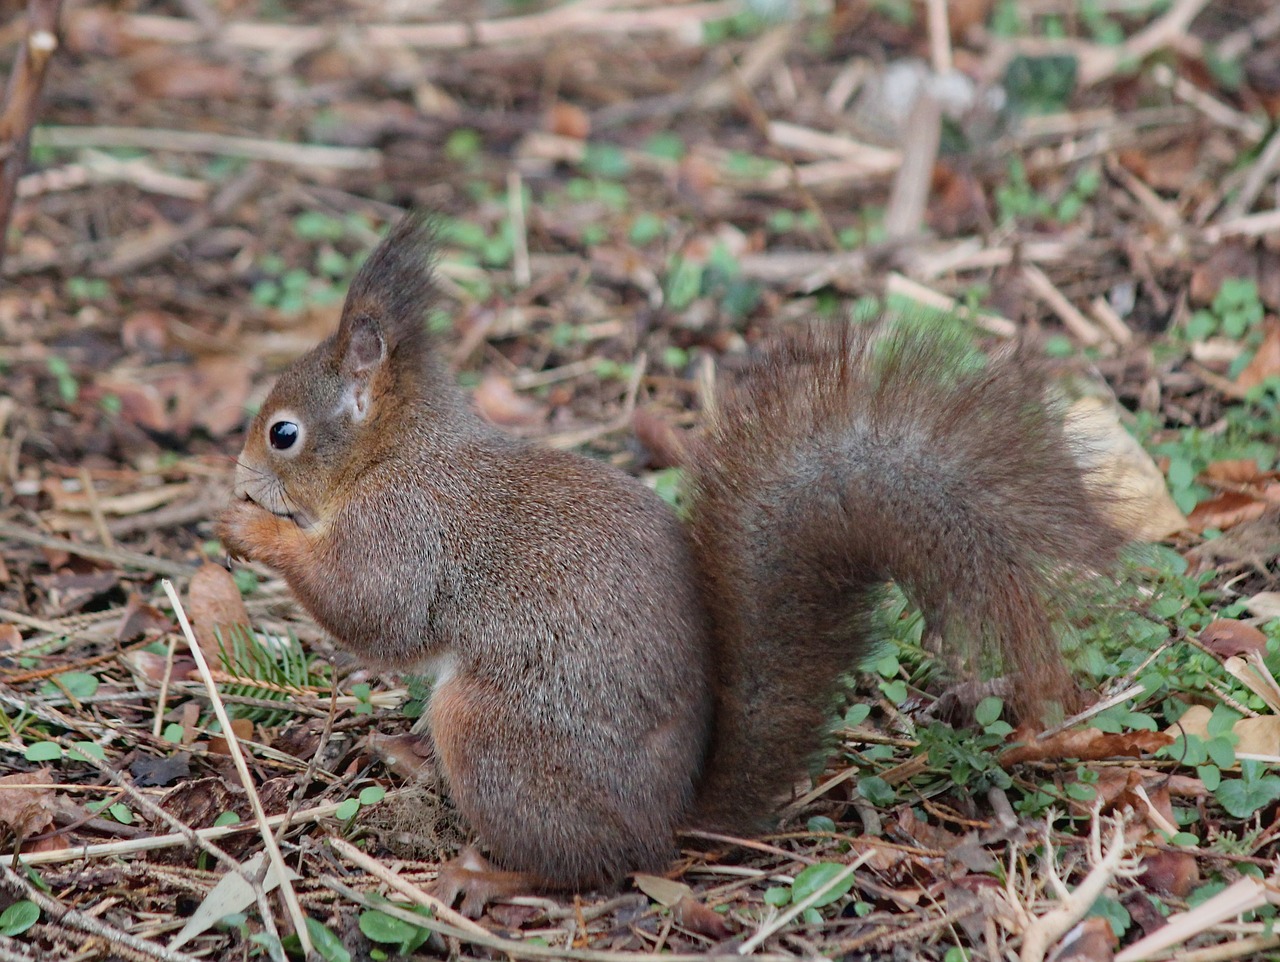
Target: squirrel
x,y
605,673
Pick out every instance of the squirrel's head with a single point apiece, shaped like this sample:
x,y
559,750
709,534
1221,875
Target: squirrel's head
x,y
336,409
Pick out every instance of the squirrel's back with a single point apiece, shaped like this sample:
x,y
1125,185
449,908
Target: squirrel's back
x,y
849,457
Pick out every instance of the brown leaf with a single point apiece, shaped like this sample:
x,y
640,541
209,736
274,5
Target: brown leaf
x,y
177,77
963,15
1170,169
1170,873
197,803
139,618
146,331
662,439
1143,911
568,120
697,917
1119,463
10,636
1093,940
152,666
1087,744
1238,471
499,403
221,388
28,808
214,606
1266,362
1258,736
1226,510
664,891
242,728
1194,721
1228,637
1228,260
96,31
1116,787
922,833
140,404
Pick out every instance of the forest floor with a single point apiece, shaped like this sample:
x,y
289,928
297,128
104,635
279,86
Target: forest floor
x,y
633,195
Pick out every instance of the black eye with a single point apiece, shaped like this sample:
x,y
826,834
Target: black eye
x,y
283,435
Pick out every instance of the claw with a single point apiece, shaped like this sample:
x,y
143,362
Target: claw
x,y
479,883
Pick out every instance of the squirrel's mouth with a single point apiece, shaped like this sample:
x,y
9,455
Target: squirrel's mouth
x,y
297,516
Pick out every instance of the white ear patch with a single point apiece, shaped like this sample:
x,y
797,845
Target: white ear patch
x,y
286,434
356,401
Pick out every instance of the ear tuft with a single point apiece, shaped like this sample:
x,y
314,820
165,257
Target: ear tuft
x,y
396,285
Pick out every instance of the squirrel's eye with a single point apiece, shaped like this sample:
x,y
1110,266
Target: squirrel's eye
x,y
283,435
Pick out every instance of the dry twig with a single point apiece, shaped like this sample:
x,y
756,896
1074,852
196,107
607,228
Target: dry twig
x,y
22,97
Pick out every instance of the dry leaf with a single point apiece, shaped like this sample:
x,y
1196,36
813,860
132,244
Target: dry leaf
x,y
1226,510
232,893
687,910
499,403
177,77
1265,604
1258,736
1087,744
1119,464
146,331
1093,940
693,915
1227,637
1194,721
219,392
568,120
1115,787
10,636
242,728
214,607
1239,471
664,891
1227,260
1266,362
139,618
28,808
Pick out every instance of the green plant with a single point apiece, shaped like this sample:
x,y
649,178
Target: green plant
x,y
386,929
323,939
19,917
68,386
267,670
1235,311
350,807
1017,199
1243,796
828,881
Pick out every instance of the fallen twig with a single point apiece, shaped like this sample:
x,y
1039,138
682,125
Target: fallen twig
x,y
246,779
22,97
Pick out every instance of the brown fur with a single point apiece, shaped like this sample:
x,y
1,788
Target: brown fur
x,y
849,458
562,608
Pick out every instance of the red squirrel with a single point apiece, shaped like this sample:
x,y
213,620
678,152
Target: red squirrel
x,y
604,673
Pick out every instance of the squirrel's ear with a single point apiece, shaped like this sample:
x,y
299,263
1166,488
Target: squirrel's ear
x,y
363,349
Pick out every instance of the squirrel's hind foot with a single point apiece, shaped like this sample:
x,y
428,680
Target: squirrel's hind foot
x,y
473,877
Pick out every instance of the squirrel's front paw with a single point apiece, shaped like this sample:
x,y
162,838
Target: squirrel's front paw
x,y
248,530
236,527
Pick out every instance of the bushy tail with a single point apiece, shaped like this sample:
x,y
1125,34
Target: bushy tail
x,y
851,457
